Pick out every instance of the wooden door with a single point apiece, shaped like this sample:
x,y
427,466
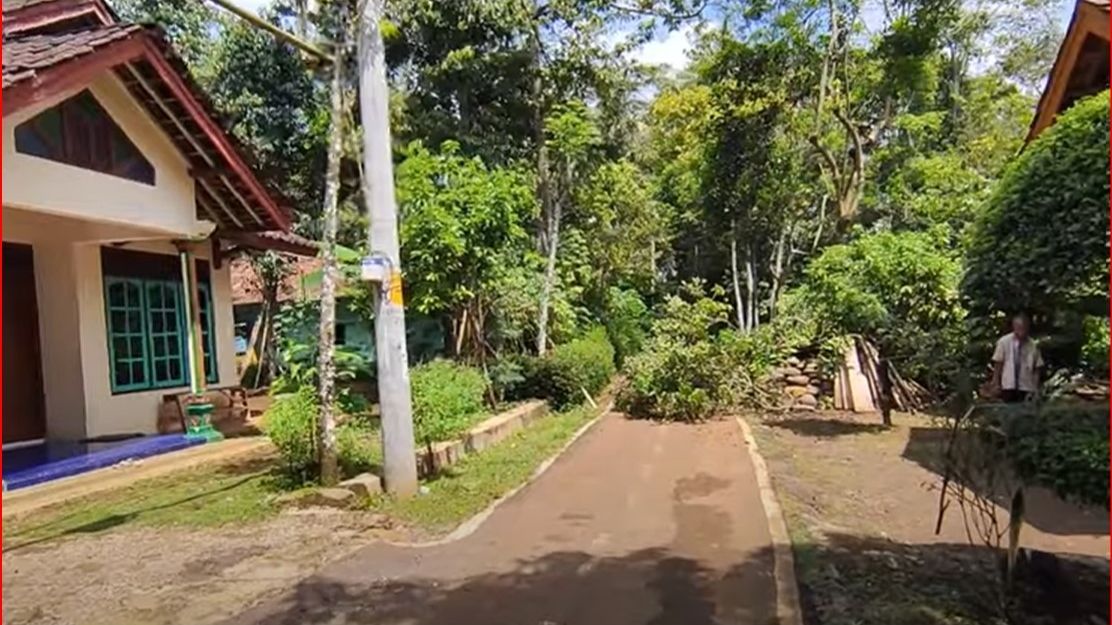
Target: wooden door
x,y
24,417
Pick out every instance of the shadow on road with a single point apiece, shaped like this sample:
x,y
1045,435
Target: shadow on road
x,y
649,587
844,578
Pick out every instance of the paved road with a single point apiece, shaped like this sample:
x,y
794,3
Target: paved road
x,y
638,523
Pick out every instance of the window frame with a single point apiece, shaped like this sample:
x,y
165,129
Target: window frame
x,y
208,334
111,336
88,138
147,337
180,330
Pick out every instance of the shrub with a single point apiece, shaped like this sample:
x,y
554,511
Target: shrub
x,y
584,364
507,378
692,366
357,448
899,289
1094,347
627,322
1041,243
291,424
447,398
589,358
1063,447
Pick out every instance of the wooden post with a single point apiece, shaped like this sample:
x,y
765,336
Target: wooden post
x,y
884,380
199,417
194,335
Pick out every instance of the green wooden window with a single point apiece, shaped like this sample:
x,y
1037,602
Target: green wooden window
x,y
147,334
166,333
127,344
208,333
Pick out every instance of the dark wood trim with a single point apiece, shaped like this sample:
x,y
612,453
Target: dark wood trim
x,y
1087,20
72,74
38,16
215,134
125,263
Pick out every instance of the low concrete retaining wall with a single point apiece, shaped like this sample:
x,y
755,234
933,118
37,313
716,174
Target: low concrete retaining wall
x,y
478,438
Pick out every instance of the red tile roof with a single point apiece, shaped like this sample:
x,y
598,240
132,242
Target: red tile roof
x,y
301,281
26,56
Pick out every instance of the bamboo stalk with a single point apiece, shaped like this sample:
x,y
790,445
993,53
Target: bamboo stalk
x,y
258,22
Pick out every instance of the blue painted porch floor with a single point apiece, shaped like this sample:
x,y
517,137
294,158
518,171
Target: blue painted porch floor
x,y
53,460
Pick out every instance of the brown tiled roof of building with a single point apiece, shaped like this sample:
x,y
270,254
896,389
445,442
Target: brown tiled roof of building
x,y
300,283
24,56
1104,4
228,191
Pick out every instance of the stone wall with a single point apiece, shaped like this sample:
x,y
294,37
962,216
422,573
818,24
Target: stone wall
x,y
802,385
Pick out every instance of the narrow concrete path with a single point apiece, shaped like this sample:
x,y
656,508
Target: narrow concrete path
x,y
638,523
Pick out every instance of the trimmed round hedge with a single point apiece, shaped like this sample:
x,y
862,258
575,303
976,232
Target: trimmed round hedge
x,y
1041,245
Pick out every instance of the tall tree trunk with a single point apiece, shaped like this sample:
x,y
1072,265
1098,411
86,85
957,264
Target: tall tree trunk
x,y
751,289
739,308
553,237
548,233
777,269
326,366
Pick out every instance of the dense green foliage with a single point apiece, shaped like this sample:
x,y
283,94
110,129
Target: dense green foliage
x,y
1041,244
447,399
898,288
694,364
462,224
1095,345
627,322
291,424
585,364
1062,447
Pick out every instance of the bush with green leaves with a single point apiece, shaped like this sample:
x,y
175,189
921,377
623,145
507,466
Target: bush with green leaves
x,y
627,322
358,448
447,399
694,364
561,377
291,423
1061,446
899,289
1041,243
1094,346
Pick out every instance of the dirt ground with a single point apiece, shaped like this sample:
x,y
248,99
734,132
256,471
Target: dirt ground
x,y
170,576
862,502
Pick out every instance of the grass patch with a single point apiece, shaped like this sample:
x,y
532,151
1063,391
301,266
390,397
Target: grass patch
x,y
202,497
469,486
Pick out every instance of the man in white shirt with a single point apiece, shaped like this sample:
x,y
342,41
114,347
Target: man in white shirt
x,y
1016,363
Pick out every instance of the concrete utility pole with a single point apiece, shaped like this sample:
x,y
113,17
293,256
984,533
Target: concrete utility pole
x,y
399,455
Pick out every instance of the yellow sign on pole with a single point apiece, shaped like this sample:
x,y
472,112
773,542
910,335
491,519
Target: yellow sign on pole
x,y
395,289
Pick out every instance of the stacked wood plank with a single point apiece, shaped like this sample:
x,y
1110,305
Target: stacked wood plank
x,y
859,384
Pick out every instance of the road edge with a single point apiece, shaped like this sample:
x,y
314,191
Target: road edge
x,y
788,609
472,524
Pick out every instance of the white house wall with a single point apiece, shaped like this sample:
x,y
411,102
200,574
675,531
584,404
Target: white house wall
x,y
46,186
73,327
136,412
